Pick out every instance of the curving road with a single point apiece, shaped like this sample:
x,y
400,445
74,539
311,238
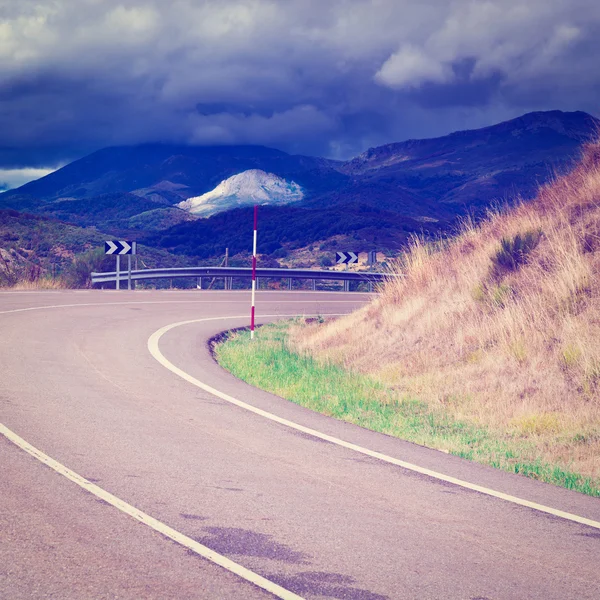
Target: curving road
x,y
155,487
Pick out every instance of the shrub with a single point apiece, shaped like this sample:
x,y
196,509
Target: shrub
x,y
513,252
280,253
326,261
78,274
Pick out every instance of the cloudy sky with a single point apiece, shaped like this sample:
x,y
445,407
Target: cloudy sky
x,y
326,77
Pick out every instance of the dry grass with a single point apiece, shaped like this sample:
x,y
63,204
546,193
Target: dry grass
x,y
43,283
515,350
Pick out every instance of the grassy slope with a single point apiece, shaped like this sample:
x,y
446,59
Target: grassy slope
x,y
514,350
268,363
508,354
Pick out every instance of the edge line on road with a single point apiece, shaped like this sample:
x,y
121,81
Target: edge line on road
x,y
153,347
88,304
151,522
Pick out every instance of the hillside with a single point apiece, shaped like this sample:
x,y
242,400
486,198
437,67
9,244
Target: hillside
x,y
468,168
419,184
33,247
499,327
283,229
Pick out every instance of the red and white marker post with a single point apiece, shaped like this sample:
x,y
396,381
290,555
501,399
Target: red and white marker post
x,y
253,272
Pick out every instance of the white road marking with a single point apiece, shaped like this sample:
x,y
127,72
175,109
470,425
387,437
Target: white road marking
x,y
151,522
51,306
153,347
130,510
182,291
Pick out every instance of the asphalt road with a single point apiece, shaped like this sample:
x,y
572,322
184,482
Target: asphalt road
x,y
78,382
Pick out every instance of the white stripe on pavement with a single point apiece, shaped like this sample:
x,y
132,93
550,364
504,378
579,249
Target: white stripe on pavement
x,y
151,522
153,347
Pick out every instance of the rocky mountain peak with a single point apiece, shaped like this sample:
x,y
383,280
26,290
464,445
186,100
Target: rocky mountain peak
x,y
253,186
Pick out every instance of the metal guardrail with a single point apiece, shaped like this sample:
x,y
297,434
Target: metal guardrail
x,y
173,273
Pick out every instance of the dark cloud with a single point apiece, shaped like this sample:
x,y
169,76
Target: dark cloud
x,y
329,78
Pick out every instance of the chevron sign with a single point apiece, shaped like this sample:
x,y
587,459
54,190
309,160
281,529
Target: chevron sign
x,y
119,247
342,258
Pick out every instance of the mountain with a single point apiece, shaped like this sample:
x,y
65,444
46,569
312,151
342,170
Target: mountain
x,y
169,174
249,187
471,168
375,199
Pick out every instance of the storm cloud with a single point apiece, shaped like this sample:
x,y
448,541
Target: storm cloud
x,y
329,78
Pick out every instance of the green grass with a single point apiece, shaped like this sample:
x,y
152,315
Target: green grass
x,y
269,364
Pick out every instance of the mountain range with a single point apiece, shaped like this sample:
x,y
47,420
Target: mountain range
x,y
150,192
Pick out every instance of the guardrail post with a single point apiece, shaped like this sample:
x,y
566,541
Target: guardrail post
x,y
289,283
314,284
129,272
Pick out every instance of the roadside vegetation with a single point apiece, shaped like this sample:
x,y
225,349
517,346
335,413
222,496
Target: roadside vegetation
x,y
488,347
38,252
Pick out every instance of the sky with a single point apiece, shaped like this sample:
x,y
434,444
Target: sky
x,y
320,77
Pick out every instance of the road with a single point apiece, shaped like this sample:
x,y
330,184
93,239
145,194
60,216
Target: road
x,y
81,383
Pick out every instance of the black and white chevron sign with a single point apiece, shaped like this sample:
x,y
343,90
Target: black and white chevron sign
x,y
342,258
119,247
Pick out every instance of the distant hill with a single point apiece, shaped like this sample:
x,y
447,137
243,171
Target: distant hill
x,y
114,212
473,168
414,186
34,238
286,228
169,174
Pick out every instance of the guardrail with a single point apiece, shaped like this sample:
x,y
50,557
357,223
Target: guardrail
x,y
228,272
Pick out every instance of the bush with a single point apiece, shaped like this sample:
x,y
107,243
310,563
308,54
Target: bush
x,y
78,274
326,261
513,252
280,253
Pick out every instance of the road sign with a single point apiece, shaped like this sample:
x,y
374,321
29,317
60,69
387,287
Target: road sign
x,y
119,247
346,258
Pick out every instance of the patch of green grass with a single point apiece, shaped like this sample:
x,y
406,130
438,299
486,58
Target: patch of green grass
x,y
269,364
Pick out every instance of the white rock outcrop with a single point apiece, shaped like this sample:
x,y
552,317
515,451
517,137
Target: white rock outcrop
x,y
247,188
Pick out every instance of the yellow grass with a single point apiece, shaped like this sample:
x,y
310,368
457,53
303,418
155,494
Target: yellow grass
x,y
515,350
43,283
